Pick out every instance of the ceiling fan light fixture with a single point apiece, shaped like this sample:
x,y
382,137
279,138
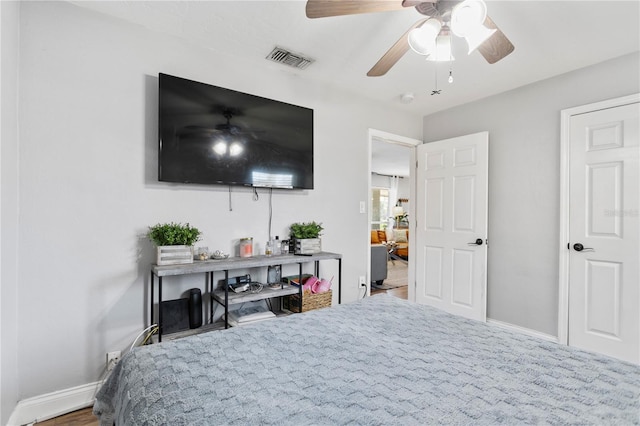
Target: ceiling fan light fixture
x,y
467,16
442,52
422,40
478,36
235,149
220,147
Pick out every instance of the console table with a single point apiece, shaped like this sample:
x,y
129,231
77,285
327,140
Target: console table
x,y
225,265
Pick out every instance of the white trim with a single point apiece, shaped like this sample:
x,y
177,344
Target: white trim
x,y
47,406
523,330
390,137
563,275
412,143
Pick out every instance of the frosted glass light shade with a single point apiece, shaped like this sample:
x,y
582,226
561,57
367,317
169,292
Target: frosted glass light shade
x,y
422,40
220,148
467,16
235,149
442,52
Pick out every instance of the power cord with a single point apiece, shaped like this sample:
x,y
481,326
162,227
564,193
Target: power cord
x,y
152,329
363,287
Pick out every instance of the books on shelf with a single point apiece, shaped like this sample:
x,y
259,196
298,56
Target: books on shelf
x,y
249,315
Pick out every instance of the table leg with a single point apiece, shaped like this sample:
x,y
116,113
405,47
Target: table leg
x,y
159,309
339,281
210,291
151,307
226,299
300,287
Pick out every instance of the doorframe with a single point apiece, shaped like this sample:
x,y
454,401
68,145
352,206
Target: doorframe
x,y
410,143
565,125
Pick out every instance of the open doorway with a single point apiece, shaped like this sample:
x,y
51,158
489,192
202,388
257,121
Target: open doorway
x,y
391,186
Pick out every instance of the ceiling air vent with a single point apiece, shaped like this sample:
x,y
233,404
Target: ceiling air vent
x,y
283,56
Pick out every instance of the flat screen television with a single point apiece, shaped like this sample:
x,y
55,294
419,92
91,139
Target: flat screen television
x,y
212,135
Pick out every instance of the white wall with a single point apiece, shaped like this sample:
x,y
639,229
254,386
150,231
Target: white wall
x,y
88,186
9,41
524,173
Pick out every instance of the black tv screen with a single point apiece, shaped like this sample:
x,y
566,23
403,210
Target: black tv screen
x,y
212,135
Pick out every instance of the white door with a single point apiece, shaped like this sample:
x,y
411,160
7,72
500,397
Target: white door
x,y
451,225
604,231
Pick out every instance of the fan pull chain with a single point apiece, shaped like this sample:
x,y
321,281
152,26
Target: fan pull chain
x,y
436,91
450,79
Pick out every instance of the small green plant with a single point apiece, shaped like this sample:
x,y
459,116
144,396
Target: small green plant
x,y
173,234
305,230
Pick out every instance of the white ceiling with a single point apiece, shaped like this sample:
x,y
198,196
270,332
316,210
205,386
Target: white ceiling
x,y
550,38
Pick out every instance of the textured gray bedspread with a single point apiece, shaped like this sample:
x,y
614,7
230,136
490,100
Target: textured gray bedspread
x,y
382,361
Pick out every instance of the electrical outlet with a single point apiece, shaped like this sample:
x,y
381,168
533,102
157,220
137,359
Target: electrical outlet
x,y
362,281
112,359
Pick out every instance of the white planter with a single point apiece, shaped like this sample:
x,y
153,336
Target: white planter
x,y
308,246
174,255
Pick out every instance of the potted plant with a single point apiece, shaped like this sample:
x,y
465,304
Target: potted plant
x,y
306,236
174,242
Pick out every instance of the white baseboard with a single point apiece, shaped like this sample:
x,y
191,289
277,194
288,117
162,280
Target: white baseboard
x,y
523,330
43,407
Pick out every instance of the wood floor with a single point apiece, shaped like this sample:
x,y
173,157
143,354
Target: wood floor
x,y
85,416
400,292
82,417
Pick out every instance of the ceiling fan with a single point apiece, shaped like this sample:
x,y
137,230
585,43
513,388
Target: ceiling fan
x,y
227,139
226,128
442,17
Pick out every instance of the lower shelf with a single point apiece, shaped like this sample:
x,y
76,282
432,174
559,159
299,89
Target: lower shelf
x,y
184,333
216,326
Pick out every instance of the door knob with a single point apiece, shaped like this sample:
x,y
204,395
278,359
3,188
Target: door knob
x,y
580,247
477,242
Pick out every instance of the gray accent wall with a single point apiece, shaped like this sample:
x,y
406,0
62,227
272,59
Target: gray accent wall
x,y
524,182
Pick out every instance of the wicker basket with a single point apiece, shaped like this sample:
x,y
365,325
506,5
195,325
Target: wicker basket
x,y
310,301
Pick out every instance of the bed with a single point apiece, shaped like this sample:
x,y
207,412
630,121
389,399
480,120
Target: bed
x,y
378,361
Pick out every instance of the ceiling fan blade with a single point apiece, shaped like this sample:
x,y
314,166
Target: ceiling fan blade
x,y
497,46
394,54
325,8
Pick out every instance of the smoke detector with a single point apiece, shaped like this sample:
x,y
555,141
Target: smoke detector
x,y
407,98
283,56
